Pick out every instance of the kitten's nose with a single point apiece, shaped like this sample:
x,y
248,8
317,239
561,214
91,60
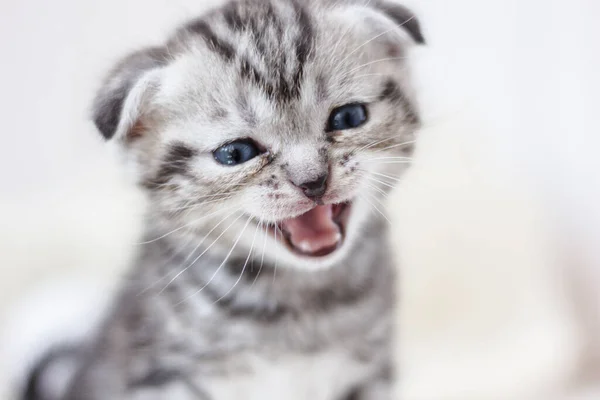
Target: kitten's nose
x,y
315,189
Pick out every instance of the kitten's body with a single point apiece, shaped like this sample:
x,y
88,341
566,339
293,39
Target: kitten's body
x,y
217,305
279,334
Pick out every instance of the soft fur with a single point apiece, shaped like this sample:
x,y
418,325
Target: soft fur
x,y
215,306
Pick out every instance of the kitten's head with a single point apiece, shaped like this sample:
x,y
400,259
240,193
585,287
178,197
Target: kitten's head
x,y
277,124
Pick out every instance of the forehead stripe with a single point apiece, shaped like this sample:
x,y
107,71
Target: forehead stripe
x,y
304,45
216,44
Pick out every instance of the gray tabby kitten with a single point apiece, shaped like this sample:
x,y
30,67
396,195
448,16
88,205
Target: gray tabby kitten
x,y
265,134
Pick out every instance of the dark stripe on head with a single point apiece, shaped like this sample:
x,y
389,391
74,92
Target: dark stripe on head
x,y
216,44
254,23
219,114
392,92
179,153
232,17
265,28
304,45
272,19
175,163
263,37
251,73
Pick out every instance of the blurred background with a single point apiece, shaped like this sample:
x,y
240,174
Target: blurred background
x,y
496,224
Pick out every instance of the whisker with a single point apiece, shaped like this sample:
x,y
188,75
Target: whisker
x,y
373,197
392,30
372,186
388,162
366,43
220,266
375,207
167,261
396,145
214,198
373,62
389,158
187,204
342,37
208,196
184,226
276,252
367,75
380,182
386,176
243,268
262,258
385,140
369,99
205,250
190,207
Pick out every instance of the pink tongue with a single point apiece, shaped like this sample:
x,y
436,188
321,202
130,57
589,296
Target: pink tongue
x,y
313,231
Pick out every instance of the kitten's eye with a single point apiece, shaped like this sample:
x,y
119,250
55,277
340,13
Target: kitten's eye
x,y
347,117
237,152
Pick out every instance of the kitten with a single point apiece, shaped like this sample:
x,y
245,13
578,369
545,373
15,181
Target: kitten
x,y
265,134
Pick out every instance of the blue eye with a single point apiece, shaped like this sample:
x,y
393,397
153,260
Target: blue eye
x,y
347,117
237,152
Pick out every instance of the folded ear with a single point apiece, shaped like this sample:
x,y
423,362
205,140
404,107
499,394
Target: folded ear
x,y
403,17
119,103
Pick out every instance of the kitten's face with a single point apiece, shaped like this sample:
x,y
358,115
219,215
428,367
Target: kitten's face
x,y
272,125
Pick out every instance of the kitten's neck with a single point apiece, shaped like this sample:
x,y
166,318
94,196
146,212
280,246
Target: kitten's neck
x,y
268,290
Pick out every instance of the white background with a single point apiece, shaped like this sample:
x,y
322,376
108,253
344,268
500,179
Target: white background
x,y
522,73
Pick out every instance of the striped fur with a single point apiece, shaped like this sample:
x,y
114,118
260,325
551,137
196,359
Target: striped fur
x,y
215,307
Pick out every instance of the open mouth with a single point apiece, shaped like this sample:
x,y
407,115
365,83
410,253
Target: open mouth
x,y
318,232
